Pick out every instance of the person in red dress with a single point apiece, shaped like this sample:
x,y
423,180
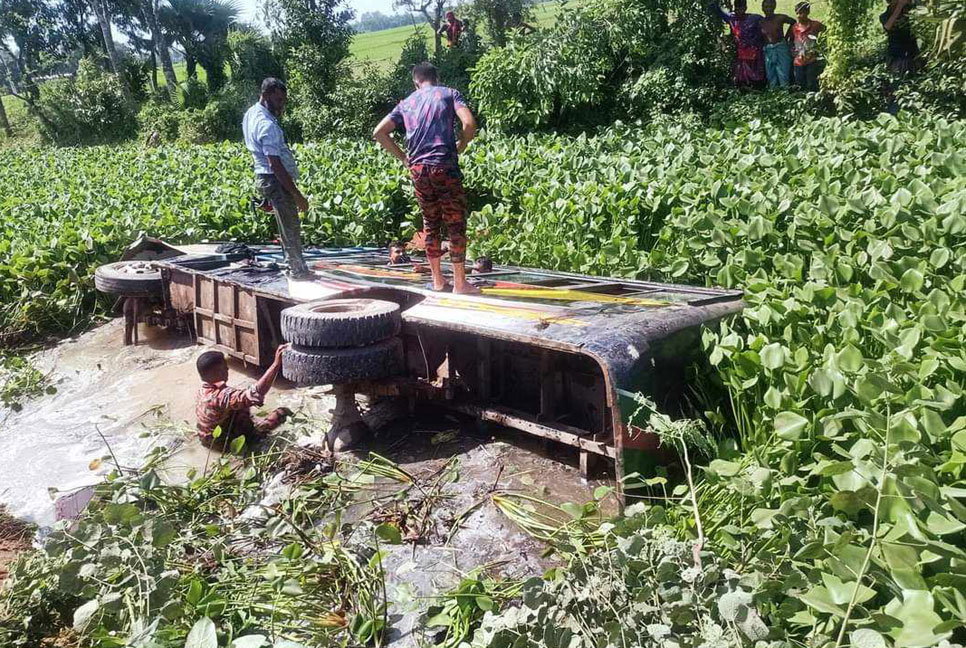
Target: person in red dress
x,y
746,27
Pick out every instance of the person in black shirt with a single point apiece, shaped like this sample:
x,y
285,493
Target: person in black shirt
x,y
902,54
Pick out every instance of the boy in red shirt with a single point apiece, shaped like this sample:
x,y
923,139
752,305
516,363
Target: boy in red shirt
x,y
219,405
804,34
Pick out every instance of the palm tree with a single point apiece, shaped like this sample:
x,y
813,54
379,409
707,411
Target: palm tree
x,y
201,28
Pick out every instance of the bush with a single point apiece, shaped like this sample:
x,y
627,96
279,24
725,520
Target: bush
x,y
160,116
215,122
251,60
136,74
612,60
552,79
88,109
192,93
361,99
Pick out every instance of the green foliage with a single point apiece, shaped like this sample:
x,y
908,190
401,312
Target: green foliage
x,y
61,222
613,59
645,591
548,79
165,565
192,94
311,40
201,28
501,17
362,98
458,612
940,90
135,74
20,381
251,60
86,110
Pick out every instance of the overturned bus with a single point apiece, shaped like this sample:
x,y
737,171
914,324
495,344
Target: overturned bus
x,y
556,355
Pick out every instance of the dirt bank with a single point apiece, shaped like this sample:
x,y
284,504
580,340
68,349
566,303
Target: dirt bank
x,y
15,537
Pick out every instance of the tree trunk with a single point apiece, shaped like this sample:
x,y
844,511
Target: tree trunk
x,y
154,68
160,44
435,20
100,10
190,66
4,122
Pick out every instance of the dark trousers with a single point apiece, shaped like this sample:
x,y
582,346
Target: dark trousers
x,y
287,217
806,76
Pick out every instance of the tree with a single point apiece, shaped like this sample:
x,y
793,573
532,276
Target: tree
x,y
501,16
103,11
201,27
150,10
432,11
311,38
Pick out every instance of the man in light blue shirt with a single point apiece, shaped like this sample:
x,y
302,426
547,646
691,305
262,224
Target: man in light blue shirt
x,y
276,170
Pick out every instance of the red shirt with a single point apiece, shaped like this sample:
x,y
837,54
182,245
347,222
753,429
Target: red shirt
x,y
806,42
224,406
454,29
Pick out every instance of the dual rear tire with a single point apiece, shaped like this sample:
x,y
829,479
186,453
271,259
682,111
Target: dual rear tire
x,y
342,341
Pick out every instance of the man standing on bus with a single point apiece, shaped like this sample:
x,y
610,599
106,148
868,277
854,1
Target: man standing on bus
x,y
429,117
276,171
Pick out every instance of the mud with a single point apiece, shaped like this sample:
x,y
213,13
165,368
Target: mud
x,y
16,537
115,403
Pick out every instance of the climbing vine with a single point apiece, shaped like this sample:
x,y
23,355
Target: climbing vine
x,y
848,22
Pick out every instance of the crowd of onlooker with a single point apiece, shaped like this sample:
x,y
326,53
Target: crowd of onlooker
x,y
778,51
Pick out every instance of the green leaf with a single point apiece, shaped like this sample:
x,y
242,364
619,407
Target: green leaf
x,y
485,603
440,620
842,592
202,635
916,612
772,356
867,638
237,444
911,280
847,501
250,641
602,491
789,425
83,614
574,511
163,533
850,359
723,468
389,533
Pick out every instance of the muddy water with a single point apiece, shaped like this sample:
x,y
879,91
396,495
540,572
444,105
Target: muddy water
x,y
110,399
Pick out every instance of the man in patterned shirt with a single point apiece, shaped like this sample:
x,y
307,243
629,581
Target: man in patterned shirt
x,y
429,117
228,408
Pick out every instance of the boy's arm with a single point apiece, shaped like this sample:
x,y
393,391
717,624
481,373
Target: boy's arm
x,y
265,382
896,13
469,127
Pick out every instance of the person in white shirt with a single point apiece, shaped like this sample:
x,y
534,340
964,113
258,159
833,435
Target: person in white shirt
x,y
276,171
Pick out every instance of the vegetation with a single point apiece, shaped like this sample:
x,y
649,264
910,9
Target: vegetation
x,y
186,565
836,397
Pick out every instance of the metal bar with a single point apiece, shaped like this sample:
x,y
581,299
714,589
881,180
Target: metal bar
x,y
520,421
